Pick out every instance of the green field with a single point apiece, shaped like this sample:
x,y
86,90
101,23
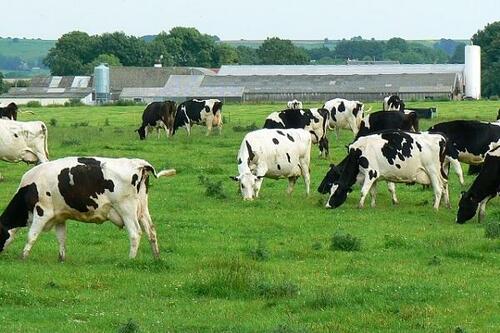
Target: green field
x,y
261,266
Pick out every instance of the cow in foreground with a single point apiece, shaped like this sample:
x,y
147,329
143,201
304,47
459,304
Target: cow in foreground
x,y
393,103
87,189
393,156
201,112
23,141
158,115
273,153
344,114
485,187
315,121
294,104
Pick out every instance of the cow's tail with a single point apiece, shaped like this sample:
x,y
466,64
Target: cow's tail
x,y
166,173
46,136
25,111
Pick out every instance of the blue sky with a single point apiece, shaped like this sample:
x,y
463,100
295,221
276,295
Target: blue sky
x,y
256,19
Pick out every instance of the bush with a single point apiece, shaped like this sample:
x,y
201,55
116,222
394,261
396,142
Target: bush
x,y
322,300
342,241
33,104
125,102
53,122
249,128
80,124
74,102
129,327
493,98
275,290
260,253
213,189
492,229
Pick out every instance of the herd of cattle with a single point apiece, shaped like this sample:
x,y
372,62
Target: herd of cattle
x,y
387,146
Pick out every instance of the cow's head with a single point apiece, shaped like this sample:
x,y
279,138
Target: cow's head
x,y
142,132
346,178
467,208
248,184
412,121
324,147
331,176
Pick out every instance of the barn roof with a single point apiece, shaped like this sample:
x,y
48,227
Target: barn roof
x,y
372,69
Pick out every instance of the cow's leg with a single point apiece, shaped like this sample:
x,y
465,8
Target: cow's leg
x,y
188,129
482,210
373,195
392,189
209,126
130,220
437,186
353,126
291,184
149,228
165,128
304,169
446,195
12,235
61,238
458,170
158,133
35,229
367,185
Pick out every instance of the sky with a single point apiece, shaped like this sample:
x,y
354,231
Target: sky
x,y
255,19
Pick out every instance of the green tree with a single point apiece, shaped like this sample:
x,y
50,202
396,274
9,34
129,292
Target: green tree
x,y
489,40
458,56
131,51
70,54
109,59
247,55
275,51
191,48
226,55
397,44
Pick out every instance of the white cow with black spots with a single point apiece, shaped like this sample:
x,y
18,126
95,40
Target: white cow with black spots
x,y
294,104
344,114
87,189
273,153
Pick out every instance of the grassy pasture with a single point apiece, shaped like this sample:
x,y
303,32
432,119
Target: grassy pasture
x,y
262,266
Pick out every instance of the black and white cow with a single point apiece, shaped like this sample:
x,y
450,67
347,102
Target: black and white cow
x,y
471,139
201,112
294,104
393,103
87,189
273,153
485,187
313,120
344,114
380,121
393,156
9,112
158,115
23,141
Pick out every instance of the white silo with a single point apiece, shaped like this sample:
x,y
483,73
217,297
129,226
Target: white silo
x,y
101,83
472,72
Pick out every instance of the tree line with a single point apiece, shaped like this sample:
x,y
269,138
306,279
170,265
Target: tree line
x,y
77,53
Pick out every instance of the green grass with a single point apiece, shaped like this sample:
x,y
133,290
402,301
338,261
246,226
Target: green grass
x,y
262,266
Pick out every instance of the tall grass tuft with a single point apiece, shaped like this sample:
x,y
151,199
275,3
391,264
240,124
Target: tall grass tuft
x,y
342,241
213,189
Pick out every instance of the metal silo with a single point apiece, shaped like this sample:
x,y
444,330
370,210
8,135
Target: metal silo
x,y
473,71
101,83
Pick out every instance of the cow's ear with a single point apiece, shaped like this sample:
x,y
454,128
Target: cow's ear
x,y
235,178
349,189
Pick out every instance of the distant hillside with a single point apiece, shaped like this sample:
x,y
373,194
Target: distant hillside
x,y
27,49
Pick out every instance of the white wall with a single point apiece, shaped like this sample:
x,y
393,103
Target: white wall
x,y
87,100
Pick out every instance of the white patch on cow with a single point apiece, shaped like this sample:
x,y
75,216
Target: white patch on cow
x,y
346,118
276,118
23,141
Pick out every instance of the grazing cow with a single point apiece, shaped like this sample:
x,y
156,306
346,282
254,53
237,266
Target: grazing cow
x,y
485,187
202,112
344,114
470,139
273,153
9,112
87,189
393,103
294,104
379,121
393,156
313,120
158,115
23,141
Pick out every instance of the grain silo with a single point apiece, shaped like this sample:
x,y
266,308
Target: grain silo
x,y
101,83
472,71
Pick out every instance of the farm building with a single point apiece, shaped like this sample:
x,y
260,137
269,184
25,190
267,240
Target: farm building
x,y
50,90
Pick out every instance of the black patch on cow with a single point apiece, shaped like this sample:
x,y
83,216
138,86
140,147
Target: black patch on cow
x,y
290,137
288,157
10,111
16,213
88,182
341,107
251,155
312,133
39,210
399,144
239,160
275,141
278,166
398,166
363,162
15,135
383,121
48,194
135,177
442,156
372,174
280,133
419,146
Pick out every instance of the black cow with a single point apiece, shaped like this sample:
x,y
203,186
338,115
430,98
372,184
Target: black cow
x,y
313,120
393,103
380,121
485,187
470,139
9,112
158,115
201,112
